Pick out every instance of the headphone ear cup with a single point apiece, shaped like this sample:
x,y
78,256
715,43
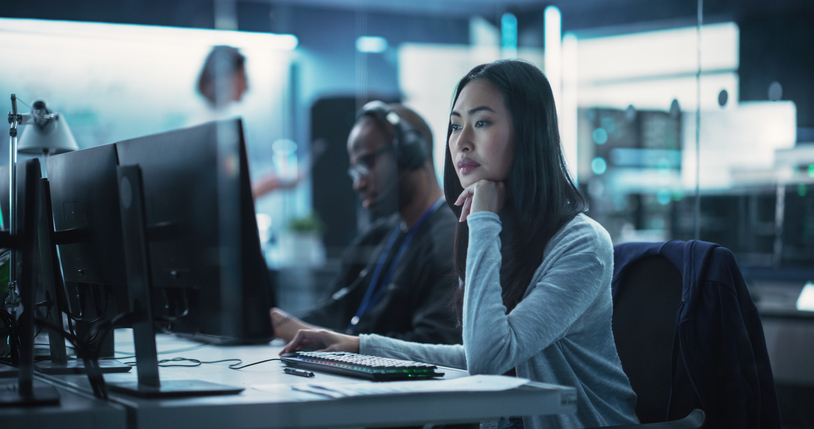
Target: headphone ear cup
x,y
411,147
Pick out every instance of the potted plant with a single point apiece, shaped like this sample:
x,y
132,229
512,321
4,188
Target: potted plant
x,y
303,241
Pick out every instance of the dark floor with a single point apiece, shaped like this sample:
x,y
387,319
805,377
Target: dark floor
x,y
796,405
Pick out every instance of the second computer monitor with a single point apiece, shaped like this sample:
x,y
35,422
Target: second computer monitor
x,y
205,257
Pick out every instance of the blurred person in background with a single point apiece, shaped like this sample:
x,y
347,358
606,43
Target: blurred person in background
x,y
396,278
222,83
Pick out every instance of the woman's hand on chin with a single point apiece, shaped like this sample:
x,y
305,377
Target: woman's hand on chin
x,y
483,195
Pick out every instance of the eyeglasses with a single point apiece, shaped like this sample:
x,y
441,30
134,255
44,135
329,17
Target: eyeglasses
x,y
366,163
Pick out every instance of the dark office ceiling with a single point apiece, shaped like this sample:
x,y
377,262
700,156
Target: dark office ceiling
x,y
577,14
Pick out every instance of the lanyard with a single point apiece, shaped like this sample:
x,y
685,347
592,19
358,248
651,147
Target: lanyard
x,y
375,290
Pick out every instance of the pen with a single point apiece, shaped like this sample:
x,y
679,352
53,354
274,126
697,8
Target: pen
x,y
300,372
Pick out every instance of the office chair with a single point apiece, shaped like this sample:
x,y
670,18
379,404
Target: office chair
x,y
690,338
645,306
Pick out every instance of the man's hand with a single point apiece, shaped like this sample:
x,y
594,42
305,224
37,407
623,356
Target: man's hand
x,y
322,340
286,326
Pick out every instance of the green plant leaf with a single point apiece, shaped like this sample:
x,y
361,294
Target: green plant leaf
x,y
310,223
4,271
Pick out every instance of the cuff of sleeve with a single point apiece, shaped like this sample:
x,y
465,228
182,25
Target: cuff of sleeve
x,y
364,344
483,222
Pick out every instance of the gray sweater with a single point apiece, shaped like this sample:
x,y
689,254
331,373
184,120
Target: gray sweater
x,y
559,333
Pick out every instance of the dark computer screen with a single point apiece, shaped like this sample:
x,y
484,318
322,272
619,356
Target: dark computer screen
x,y
31,226
85,205
30,243
204,249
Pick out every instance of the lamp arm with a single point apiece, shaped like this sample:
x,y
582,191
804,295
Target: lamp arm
x,y
14,119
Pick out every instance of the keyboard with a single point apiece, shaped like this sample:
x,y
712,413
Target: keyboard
x,y
362,366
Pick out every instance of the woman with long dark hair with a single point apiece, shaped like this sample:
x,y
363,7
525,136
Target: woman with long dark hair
x,y
535,272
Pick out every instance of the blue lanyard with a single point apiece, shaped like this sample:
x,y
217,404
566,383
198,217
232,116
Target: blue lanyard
x,y
374,291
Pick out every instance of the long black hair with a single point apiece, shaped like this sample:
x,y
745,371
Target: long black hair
x,y
541,197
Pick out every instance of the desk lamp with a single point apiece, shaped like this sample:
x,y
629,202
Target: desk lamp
x,y
48,135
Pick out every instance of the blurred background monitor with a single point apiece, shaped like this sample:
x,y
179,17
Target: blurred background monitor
x,y
208,272
765,233
798,226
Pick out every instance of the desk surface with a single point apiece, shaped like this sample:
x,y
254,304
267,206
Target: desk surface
x,y
75,410
269,402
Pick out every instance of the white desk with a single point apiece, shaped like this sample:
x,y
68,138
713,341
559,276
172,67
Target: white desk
x,y
269,401
75,410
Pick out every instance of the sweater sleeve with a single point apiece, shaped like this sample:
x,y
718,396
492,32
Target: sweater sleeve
x,y
439,354
571,276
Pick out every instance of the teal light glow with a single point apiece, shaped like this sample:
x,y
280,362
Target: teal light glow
x,y
371,44
508,35
599,166
600,136
664,196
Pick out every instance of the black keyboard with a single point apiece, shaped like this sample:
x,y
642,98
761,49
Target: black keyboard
x,y
362,366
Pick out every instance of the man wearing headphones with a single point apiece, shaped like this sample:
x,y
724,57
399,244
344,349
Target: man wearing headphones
x,y
396,277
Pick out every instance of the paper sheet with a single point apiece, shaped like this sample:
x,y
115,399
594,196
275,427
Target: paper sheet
x,y
477,383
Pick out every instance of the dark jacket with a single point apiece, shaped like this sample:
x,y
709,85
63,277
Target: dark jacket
x,y
719,332
416,303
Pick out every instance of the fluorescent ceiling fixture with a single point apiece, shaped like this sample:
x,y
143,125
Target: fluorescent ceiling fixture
x,y
371,44
658,53
658,93
150,33
805,302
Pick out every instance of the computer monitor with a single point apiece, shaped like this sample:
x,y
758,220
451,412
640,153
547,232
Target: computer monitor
x,y
87,230
85,203
33,217
26,241
192,244
206,263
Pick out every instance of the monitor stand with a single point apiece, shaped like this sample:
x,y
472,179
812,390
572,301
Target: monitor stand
x,y
139,282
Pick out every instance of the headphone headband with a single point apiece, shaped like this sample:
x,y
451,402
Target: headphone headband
x,y
409,143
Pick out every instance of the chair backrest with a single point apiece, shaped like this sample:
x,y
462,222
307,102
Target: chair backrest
x,y
645,307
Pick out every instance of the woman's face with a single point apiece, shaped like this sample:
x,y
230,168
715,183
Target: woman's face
x,y
481,141
240,84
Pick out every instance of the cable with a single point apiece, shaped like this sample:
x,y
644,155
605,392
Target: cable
x,y
237,366
194,362
23,103
91,360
